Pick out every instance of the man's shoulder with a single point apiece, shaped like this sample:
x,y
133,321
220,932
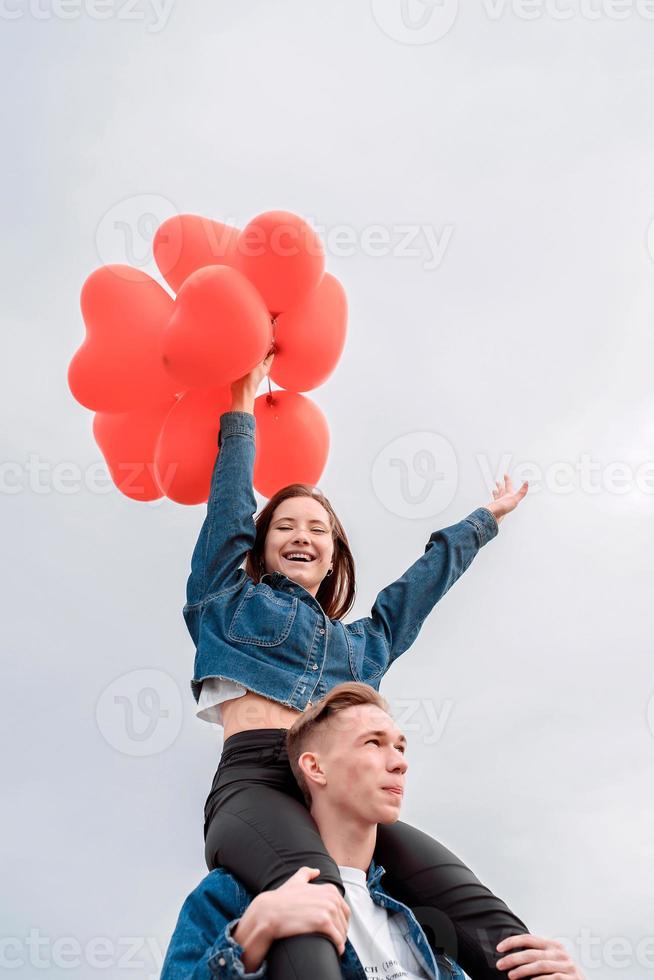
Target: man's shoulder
x,y
221,889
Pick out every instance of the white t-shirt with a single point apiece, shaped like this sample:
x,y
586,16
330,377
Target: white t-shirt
x,y
213,692
376,934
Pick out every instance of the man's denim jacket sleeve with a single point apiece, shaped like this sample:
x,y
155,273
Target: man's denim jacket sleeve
x,y
202,946
228,531
401,608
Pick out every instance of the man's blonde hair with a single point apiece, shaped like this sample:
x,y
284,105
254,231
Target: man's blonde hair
x,y
310,726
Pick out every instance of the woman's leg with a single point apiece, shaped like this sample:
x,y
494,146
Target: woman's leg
x,y
263,835
457,912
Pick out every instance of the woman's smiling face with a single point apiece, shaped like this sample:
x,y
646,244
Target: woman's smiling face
x,y
300,525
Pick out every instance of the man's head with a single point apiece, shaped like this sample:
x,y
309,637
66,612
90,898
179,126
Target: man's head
x,y
347,754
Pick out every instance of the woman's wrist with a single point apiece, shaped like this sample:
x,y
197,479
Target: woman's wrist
x,y
255,933
243,398
243,405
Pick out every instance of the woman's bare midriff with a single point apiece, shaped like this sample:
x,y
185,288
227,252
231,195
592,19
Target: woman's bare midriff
x,y
252,711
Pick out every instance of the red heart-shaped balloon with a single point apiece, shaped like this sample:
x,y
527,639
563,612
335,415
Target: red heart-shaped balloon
x,y
218,331
283,256
187,242
127,441
119,367
188,444
309,338
292,441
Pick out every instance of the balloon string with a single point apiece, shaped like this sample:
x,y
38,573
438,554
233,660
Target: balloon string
x,y
269,397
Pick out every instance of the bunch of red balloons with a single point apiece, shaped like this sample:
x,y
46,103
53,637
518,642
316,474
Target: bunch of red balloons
x,y
157,371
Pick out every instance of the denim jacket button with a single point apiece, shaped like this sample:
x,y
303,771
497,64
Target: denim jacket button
x,y
315,667
322,632
222,961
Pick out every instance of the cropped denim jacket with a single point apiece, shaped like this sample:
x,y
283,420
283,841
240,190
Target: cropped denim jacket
x,y
202,946
273,636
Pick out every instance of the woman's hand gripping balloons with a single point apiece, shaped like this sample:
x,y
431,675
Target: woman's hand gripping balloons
x,y
158,371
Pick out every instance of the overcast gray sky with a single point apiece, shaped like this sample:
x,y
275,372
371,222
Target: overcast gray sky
x,y
483,180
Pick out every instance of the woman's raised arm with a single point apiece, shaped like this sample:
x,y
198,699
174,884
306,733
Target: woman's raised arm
x,y
401,608
228,531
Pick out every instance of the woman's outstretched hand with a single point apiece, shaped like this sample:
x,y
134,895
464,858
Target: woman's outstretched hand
x,y
505,498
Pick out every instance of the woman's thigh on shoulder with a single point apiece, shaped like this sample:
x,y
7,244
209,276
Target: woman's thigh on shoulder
x,y
263,835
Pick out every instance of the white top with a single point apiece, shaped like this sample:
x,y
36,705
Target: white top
x,y
376,934
213,692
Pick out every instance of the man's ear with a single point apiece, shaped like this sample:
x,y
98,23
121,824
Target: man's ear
x,y
310,765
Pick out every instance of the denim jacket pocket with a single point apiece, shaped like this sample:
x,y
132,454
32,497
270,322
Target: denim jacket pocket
x,y
367,660
263,617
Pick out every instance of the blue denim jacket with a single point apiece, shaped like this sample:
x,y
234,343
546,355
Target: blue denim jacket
x,y
273,636
202,946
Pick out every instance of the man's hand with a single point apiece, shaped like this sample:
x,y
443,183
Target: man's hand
x,y
296,907
541,958
505,498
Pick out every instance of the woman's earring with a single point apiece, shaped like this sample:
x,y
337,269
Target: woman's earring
x,y
329,572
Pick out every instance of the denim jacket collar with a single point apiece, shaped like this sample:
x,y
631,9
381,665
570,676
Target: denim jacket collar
x,y
439,966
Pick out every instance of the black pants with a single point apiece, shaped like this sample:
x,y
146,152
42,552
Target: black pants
x,y
259,828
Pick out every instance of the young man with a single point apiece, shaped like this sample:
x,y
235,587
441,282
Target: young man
x,y
348,757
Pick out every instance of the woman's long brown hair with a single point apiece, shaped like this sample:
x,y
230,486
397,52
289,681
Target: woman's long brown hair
x,y
336,592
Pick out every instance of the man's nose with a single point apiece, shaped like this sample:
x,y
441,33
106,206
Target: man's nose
x,y
401,764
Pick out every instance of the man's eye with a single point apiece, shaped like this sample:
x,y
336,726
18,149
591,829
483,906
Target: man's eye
x,y
374,740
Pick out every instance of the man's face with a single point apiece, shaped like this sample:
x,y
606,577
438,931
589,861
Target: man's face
x,y
361,753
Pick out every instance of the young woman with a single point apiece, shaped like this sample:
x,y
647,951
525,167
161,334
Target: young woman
x,y
270,639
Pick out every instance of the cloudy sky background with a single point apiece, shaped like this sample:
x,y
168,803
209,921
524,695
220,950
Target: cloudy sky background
x,y
505,323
